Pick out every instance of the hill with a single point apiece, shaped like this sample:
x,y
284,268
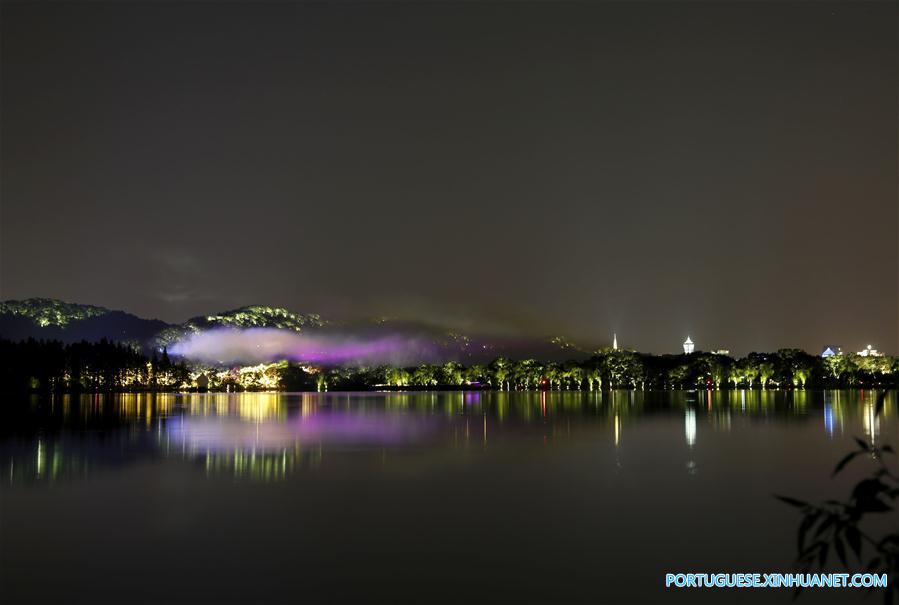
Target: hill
x,y
50,319
255,316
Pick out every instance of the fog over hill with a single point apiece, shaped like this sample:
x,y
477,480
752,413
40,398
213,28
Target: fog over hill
x,y
261,333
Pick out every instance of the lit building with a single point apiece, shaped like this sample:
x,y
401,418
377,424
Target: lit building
x,y
721,352
614,342
831,350
870,352
688,346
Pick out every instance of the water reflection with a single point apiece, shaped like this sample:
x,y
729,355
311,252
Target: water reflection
x,y
270,436
690,427
828,419
871,422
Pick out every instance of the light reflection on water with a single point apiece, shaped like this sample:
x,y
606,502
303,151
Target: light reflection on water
x,y
269,436
555,497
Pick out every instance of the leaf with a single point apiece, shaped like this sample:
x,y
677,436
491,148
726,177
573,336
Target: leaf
x,y
822,556
855,541
824,525
867,496
841,550
846,460
791,501
887,540
807,522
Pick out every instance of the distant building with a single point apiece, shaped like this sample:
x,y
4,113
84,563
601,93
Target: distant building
x,y
614,342
870,352
688,346
721,352
831,350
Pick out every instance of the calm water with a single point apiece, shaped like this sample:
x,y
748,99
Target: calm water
x,y
414,497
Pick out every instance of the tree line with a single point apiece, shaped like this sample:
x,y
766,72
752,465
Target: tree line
x,y
51,366
33,365
612,369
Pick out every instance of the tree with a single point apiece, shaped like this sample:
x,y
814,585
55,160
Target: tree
x,y
593,375
500,368
425,375
573,374
749,369
476,373
552,373
451,373
397,377
526,372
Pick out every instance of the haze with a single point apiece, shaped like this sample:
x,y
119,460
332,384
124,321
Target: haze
x,y
726,171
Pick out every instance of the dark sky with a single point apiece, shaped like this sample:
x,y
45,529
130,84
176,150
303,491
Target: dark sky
x,y
723,170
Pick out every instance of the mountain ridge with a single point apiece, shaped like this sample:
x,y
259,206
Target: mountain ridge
x,y
53,319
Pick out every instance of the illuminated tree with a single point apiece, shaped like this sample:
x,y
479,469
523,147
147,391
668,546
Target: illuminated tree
x,y
573,374
749,369
451,373
425,375
593,375
321,382
476,373
526,372
397,377
766,370
500,368
678,375
552,373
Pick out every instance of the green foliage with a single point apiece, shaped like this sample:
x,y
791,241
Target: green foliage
x,y
45,365
260,317
425,375
244,317
86,366
49,312
838,526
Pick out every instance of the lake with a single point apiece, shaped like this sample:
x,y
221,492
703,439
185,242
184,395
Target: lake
x,y
416,497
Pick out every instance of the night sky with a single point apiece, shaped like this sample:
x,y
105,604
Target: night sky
x,y
727,171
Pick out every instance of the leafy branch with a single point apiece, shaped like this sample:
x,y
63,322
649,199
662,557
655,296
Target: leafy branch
x,y
835,526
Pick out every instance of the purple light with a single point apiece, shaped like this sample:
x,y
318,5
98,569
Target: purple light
x,y
211,434
258,345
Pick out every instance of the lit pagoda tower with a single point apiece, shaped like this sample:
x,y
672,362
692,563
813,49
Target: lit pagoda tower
x,y
614,342
688,346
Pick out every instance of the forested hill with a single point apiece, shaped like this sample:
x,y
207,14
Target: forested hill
x,y
256,316
49,319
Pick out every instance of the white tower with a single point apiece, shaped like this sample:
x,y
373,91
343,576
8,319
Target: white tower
x,y
614,342
688,346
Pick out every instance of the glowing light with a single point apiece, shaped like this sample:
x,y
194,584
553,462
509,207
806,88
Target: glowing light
x,y
617,430
870,351
690,427
828,419
48,312
39,463
261,345
871,422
